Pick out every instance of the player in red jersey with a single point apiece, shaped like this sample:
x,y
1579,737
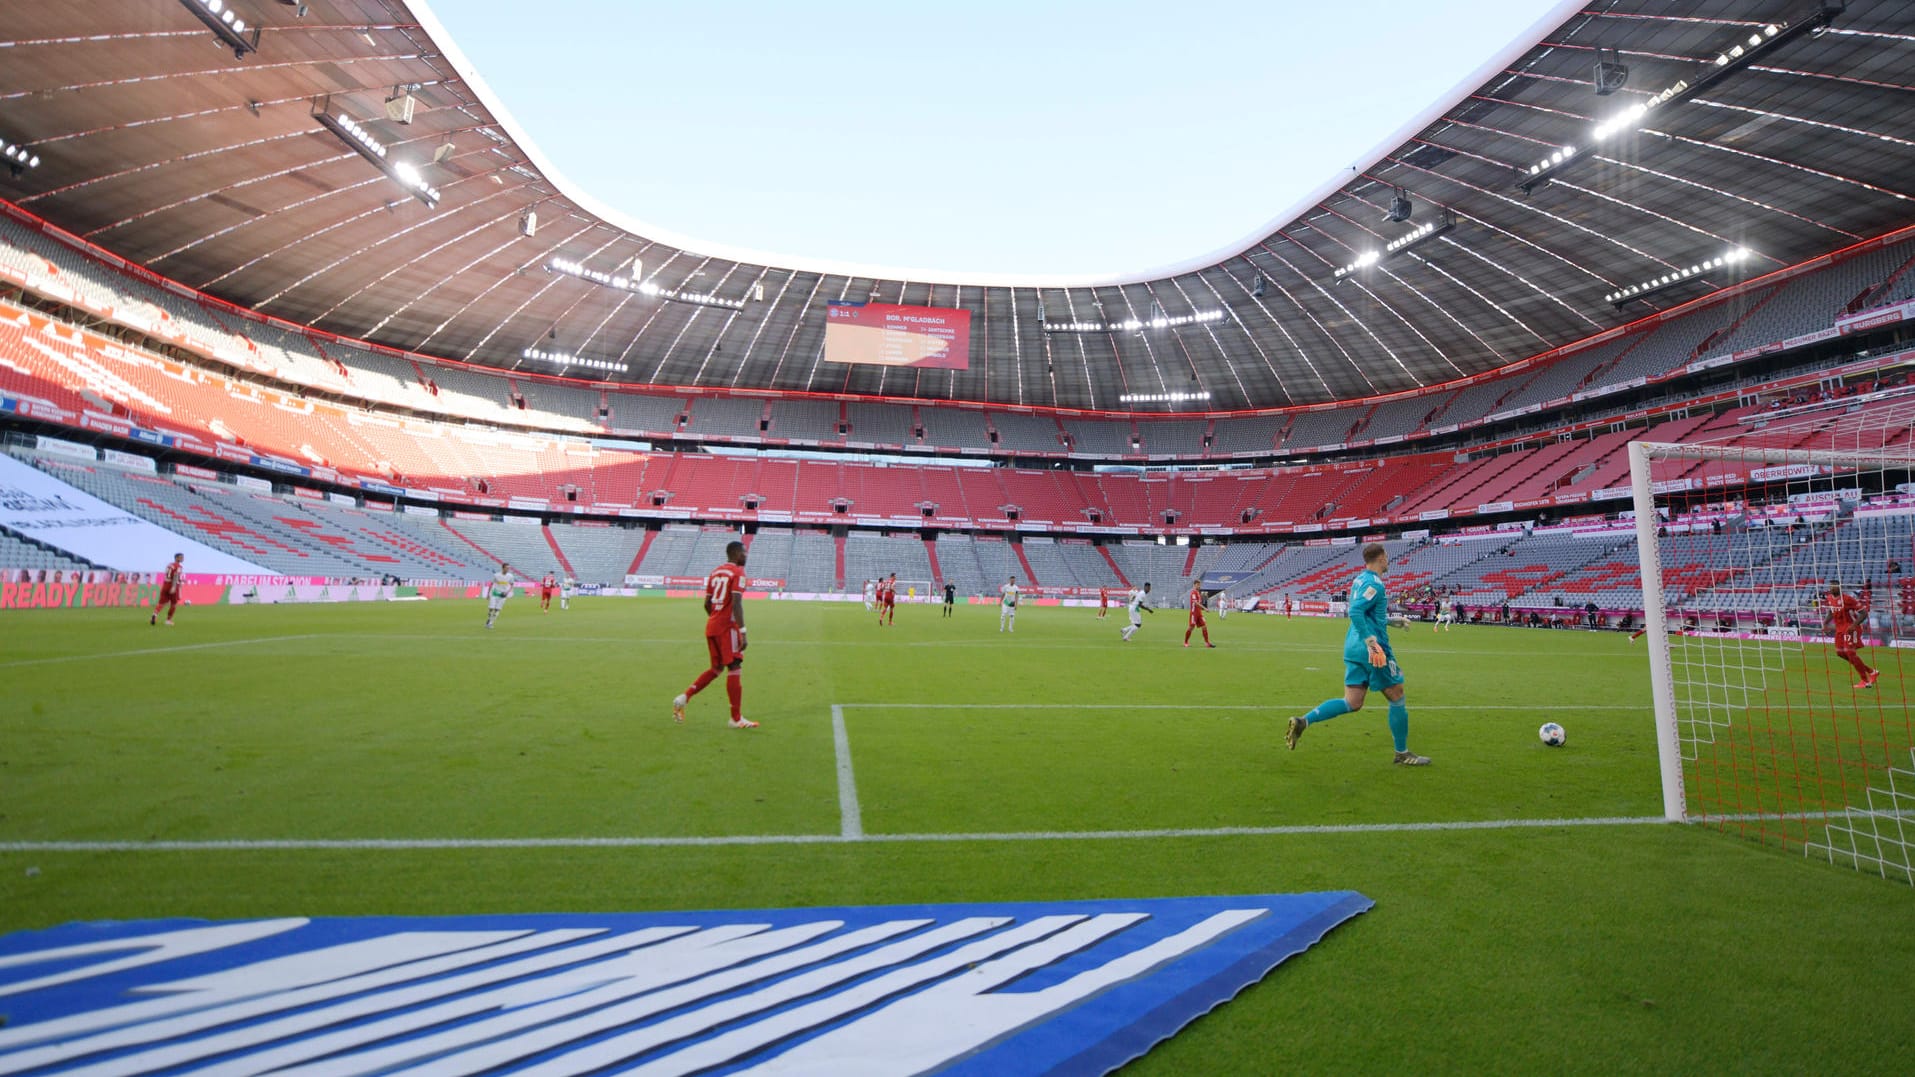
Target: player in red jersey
x,y
547,587
170,585
1287,607
1845,616
1103,602
724,636
1197,621
888,599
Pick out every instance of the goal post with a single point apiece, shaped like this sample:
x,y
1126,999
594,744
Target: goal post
x,y
1777,605
1655,625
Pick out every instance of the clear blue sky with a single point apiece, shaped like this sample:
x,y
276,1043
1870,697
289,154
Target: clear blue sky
x,y
1019,138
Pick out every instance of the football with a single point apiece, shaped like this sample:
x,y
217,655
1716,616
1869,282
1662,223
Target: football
x,y
1552,734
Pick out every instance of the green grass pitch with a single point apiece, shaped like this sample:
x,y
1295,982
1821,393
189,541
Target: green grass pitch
x,y
1627,947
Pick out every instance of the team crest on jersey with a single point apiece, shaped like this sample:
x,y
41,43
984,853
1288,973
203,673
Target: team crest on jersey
x,y
997,989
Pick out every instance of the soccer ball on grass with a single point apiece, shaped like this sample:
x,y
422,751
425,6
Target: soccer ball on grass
x,y
1552,734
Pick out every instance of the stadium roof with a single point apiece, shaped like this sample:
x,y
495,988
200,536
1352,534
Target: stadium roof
x,y
159,145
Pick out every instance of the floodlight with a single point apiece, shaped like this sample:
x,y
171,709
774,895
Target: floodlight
x,y
1727,61
566,360
631,283
18,157
374,149
1623,296
1133,325
233,31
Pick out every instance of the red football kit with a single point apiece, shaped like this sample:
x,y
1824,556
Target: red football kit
x,y
725,640
1197,622
723,637
1845,613
171,584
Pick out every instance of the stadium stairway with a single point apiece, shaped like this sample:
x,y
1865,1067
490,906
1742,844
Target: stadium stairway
x,y
937,570
1029,572
1112,562
487,554
639,557
553,542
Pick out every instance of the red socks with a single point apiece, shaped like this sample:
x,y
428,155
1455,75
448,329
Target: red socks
x,y
703,680
735,688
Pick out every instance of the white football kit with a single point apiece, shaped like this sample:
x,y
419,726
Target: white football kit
x,y
1137,605
498,592
1007,608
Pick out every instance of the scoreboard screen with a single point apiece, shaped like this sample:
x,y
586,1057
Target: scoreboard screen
x,y
885,334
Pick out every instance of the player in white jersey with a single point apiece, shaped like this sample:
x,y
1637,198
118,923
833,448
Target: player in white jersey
x,y
1223,604
1138,603
567,588
870,594
496,593
1445,614
1007,606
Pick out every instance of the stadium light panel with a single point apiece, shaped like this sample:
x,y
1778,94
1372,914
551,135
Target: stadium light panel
x,y
1163,398
566,361
18,157
228,25
631,283
696,299
576,269
1420,235
1135,325
374,149
1402,244
1737,56
1726,260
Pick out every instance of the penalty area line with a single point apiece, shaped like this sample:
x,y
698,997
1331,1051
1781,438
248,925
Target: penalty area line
x,y
375,844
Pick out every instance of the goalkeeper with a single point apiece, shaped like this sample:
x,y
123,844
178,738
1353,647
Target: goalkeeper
x,y
1367,661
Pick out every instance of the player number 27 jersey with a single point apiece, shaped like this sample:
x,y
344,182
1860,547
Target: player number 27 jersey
x,y
722,595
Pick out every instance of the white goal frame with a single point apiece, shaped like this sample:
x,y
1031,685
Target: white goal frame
x,y
1655,621
1642,456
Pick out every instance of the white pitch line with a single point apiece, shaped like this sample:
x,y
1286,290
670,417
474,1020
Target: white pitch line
x,y
689,640
1305,830
851,825
371,844
164,650
1274,708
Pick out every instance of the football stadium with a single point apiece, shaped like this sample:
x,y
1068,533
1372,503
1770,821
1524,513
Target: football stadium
x,y
381,516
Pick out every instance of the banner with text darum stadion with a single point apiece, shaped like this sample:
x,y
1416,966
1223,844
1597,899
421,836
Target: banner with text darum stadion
x,y
885,334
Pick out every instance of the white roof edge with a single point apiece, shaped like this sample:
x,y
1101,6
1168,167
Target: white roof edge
x,y
429,22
